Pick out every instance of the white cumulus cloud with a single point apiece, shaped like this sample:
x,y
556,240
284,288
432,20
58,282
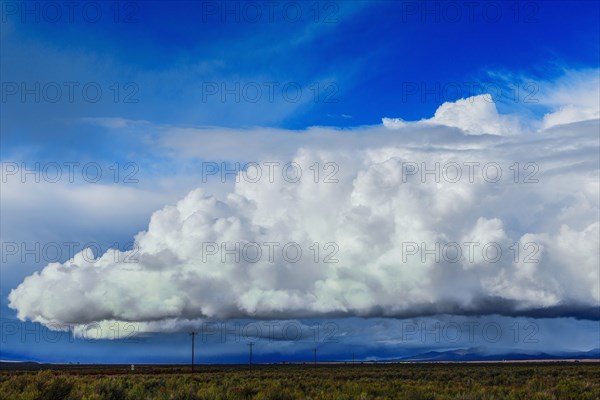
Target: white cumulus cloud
x,y
396,222
474,115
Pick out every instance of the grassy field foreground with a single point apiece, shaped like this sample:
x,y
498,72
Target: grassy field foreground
x,y
361,381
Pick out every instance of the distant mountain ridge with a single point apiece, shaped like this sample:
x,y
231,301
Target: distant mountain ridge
x,y
478,354
457,355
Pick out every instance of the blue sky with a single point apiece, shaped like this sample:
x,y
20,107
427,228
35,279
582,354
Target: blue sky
x,y
189,82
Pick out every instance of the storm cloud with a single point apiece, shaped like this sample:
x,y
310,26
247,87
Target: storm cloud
x,y
461,214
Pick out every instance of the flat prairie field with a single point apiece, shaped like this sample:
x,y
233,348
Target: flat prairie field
x,y
507,380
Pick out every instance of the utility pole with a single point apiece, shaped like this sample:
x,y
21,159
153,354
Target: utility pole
x,y
250,345
315,352
352,358
193,334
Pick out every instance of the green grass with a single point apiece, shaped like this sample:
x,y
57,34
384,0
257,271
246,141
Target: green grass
x,y
367,381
